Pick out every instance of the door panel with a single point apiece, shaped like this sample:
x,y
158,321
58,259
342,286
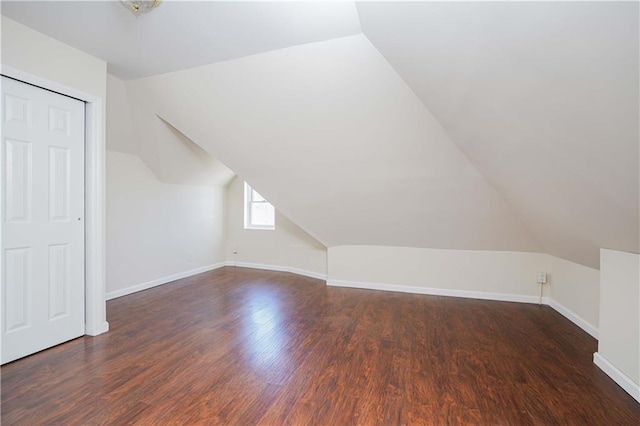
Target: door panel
x,y
17,300
43,219
18,181
59,174
58,281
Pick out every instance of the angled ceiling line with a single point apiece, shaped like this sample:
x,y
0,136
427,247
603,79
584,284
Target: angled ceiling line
x,y
506,200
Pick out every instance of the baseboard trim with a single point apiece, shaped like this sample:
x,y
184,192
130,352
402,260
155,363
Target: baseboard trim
x,y
103,328
503,297
262,266
278,268
309,274
574,318
617,376
154,283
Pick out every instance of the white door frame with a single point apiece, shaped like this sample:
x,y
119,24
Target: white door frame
x,y
95,300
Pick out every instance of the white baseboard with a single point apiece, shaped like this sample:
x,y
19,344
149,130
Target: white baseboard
x,y
263,266
618,376
278,268
574,318
149,284
103,328
504,297
309,274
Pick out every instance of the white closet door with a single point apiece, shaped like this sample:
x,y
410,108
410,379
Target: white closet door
x,y
42,219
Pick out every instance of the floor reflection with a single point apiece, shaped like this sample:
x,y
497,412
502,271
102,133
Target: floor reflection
x,y
265,343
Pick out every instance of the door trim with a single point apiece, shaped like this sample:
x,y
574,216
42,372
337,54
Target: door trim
x,y
95,299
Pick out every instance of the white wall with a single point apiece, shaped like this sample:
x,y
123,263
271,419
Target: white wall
x,y
165,222
35,53
119,126
171,156
542,97
332,135
287,247
157,230
619,345
576,289
490,274
572,289
167,204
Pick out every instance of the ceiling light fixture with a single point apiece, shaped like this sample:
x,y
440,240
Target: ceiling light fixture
x,y
140,6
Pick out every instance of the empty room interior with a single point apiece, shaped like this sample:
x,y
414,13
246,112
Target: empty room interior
x,y
320,212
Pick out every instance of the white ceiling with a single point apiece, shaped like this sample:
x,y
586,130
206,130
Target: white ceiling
x,y
538,99
332,136
542,97
183,34
171,156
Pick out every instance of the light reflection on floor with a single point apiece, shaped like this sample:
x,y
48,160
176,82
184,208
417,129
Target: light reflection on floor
x,y
266,341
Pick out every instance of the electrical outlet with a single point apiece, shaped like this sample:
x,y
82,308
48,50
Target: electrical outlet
x,y
190,256
542,277
235,251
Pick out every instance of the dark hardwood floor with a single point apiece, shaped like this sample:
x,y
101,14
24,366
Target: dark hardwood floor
x,y
241,346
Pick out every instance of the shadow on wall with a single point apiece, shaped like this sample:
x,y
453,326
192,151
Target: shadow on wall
x,y
170,155
216,173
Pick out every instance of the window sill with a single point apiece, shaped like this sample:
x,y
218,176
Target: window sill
x,y
261,228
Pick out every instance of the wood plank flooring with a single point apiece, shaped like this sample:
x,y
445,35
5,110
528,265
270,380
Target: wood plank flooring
x,y
240,346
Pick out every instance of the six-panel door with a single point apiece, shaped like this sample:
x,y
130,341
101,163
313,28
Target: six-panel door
x,y
42,219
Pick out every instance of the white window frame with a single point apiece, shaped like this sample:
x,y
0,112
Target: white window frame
x,y
248,202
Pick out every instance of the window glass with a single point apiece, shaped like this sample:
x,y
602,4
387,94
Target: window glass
x,y
258,212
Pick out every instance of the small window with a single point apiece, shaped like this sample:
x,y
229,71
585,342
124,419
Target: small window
x,y
258,212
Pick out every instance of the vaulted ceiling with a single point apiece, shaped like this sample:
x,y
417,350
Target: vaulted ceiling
x,y
496,126
332,136
183,34
542,97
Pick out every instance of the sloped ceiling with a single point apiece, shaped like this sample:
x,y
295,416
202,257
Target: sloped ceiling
x,y
542,97
332,136
171,156
480,125
183,34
